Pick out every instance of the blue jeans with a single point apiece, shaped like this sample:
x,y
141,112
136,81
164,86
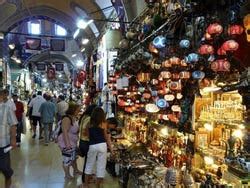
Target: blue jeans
x,y
47,131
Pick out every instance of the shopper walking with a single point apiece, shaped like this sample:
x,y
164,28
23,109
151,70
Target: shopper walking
x,y
62,107
8,100
84,137
97,153
35,104
68,139
48,113
7,137
19,115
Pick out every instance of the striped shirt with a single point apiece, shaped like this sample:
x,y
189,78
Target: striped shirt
x,y
7,119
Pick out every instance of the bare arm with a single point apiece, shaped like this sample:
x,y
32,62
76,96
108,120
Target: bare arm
x,y
13,136
107,137
66,123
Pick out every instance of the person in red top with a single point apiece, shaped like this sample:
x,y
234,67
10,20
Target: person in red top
x,y
19,115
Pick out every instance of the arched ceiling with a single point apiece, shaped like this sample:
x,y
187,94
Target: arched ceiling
x,y
63,11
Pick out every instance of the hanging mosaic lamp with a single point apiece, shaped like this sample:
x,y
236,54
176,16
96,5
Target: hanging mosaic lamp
x,y
166,63
152,108
230,45
214,28
235,30
184,75
175,60
206,49
198,75
165,74
184,44
169,97
193,57
162,103
159,42
220,65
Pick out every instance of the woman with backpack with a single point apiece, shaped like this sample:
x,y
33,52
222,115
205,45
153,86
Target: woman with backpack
x,y
68,138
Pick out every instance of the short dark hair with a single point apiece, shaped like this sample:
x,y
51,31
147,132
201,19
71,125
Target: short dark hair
x,y
97,117
90,109
39,93
47,97
61,97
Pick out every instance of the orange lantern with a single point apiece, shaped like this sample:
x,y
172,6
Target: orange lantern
x,y
184,75
165,74
206,49
166,63
220,65
143,77
235,30
230,45
214,28
175,60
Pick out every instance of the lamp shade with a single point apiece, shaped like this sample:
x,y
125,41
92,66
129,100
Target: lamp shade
x,y
198,75
214,28
159,42
152,108
206,49
230,45
162,103
235,30
220,65
184,44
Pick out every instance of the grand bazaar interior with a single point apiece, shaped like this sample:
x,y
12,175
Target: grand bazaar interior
x,y
173,74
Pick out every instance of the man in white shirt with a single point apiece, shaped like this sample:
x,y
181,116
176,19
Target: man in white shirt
x,y
8,100
62,107
8,124
36,103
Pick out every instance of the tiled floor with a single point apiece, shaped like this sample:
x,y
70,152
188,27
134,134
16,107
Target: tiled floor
x,y
39,166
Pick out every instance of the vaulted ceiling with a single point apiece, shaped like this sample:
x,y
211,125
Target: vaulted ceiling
x,y
12,12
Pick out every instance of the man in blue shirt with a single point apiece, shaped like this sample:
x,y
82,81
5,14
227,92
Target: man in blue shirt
x,y
48,112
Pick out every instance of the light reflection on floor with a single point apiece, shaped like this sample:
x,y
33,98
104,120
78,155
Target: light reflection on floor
x,y
39,166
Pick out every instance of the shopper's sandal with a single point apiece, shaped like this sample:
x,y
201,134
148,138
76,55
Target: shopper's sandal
x,y
68,177
78,172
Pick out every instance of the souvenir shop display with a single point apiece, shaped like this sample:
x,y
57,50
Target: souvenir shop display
x,y
185,109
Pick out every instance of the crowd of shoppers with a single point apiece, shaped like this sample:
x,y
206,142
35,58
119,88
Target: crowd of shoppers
x,y
90,133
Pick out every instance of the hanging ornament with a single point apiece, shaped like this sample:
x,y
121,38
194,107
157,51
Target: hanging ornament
x,y
163,116
206,49
152,49
193,57
175,85
165,74
208,36
169,97
220,65
184,44
152,108
175,60
159,42
220,51
150,3
162,103
143,77
154,82
214,28
198,75
81,77
246,22
146,95
51,73
230,45
166,63
176,108
235,30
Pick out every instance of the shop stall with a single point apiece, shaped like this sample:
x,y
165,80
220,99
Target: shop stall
x,y
182,92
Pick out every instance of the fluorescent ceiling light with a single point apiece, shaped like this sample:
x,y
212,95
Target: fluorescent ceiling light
x,y
74,55
1,36
18,61
83,49
12,46
79,63
60,76
76,33
44,80
83,24
85,41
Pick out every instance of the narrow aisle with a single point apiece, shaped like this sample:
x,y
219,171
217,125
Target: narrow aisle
x,y
39,166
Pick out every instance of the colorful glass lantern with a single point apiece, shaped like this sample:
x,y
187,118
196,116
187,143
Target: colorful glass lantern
x,y
162,103
176,108
184,75
211,58
206,49
152,108
141,89
220,65
152,49
175,85
169,97
184,44
220,51
214,28
165,74
208,36
230,45
163,116
235,30
198,75
154,93
166,63
146,95
175,60
159,42
193,57
143,77
154,81
246,22
179,96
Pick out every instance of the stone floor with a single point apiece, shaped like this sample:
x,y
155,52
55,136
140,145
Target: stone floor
x,y
39,166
